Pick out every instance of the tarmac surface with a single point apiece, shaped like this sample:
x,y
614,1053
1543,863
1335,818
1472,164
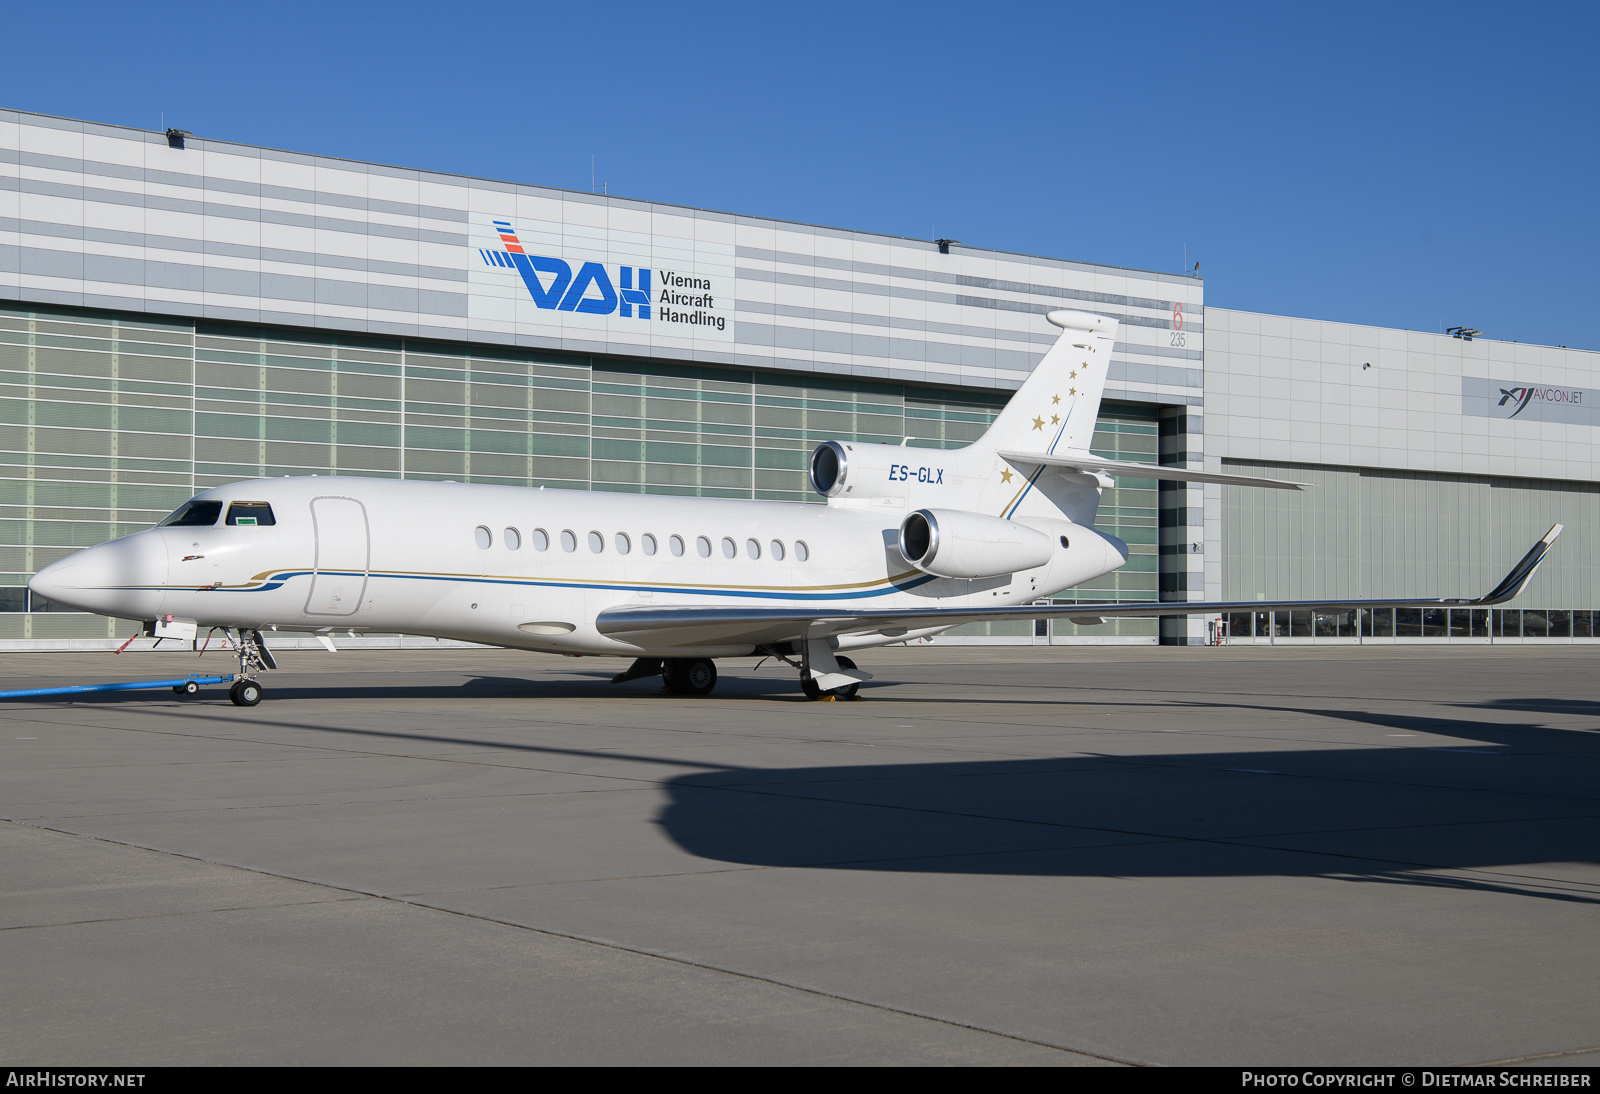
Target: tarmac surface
x,y
999,856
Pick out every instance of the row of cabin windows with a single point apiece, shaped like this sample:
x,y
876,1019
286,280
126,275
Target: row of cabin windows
x,y
623,544
203,513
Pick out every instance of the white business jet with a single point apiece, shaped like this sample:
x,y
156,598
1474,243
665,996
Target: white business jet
x,y
912,541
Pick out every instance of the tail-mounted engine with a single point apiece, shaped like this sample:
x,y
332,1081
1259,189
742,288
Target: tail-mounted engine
x,y
953,543
848,471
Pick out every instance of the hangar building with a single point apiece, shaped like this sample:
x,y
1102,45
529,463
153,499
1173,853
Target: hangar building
x,y
177,313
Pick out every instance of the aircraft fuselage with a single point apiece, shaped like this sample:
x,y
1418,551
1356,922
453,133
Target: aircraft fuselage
x,y
386,556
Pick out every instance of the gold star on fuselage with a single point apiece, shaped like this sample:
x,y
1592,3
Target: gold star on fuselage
x,y
1005,476
1073,374
1072,391
1038,423
1054,419
1055,398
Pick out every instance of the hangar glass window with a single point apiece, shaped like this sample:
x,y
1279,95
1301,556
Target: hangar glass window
x,y
194,513
250,513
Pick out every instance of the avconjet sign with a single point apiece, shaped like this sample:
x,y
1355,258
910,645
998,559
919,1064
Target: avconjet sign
x,y
1508,399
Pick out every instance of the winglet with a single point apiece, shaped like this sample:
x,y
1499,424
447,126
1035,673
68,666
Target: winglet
x,y
1523,571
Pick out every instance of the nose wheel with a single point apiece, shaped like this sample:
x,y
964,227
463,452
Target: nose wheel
x,y
254,657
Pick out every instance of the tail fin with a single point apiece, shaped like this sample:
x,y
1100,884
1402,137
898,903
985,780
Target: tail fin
x,y
1056,407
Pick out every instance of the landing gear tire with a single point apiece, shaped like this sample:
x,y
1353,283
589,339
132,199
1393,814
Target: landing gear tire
x,y
689,675
190,688
245,693
813,692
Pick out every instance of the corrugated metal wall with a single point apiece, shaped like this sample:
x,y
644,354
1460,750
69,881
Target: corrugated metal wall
x,y
1380,533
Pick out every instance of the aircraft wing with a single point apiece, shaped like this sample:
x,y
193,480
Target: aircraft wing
x,y
1092,464
670,625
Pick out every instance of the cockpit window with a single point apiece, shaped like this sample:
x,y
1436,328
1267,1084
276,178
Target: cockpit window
x,y
250,512
196,512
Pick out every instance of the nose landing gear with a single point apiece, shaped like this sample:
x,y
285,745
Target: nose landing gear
x,y
254,658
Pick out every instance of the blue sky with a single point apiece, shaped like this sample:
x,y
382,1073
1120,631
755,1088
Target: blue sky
x,y
1413,166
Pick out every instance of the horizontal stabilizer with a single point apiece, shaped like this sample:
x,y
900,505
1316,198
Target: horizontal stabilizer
x,y
667,625
1089,463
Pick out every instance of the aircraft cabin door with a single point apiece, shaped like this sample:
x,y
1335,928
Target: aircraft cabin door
x,y
343,550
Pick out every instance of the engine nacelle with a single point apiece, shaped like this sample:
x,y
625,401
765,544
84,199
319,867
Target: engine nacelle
x,y
954,543
847,471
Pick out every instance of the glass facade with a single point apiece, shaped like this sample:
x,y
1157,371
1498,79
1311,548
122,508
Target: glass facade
x,y
1436,623
110,421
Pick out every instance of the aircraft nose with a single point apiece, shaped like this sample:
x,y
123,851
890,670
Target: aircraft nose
x,y
126,578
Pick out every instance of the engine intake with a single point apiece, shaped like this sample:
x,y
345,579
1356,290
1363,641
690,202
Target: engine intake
x,y
954,543
830,467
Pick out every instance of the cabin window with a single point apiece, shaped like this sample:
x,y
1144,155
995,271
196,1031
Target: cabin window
x,y
540,539
647,543
482,536
194,513
676,544
777,549
569,541
729,548
250,513
703,545
801,551
624,545
512,539
597,542
752,548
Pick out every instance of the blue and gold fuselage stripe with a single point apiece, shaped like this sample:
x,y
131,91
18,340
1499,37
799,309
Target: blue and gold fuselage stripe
x,y
276,579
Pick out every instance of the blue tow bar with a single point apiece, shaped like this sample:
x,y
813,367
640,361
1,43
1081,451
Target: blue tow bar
x,y
136,685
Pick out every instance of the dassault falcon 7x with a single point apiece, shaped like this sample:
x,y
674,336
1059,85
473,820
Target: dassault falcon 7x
x,y
912,541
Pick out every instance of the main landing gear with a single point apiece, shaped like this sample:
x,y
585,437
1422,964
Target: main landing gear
x,y
698,675
681,675
815,692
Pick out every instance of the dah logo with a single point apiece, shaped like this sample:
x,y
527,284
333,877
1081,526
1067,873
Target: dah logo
x,y
552,284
